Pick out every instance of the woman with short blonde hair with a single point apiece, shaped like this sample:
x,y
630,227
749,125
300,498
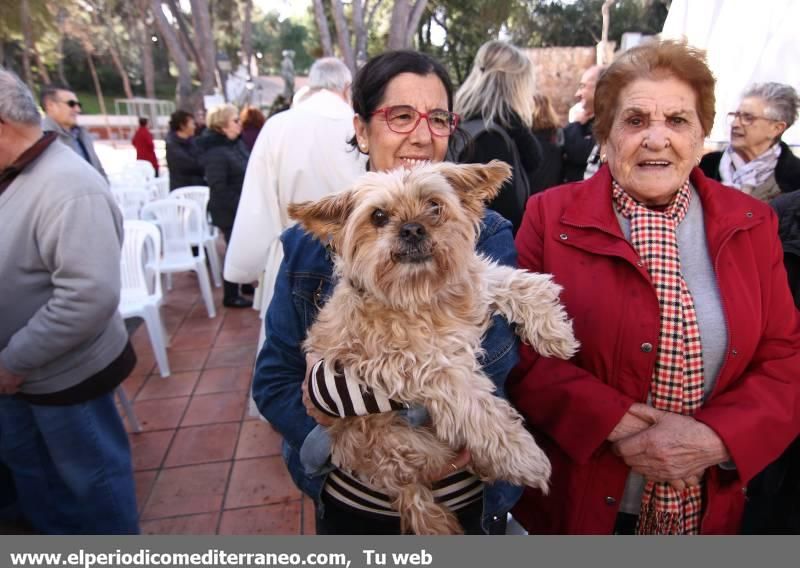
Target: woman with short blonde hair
x,y
219,116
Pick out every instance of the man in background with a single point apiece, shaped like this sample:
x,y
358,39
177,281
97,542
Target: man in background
x,y
62,107
578,137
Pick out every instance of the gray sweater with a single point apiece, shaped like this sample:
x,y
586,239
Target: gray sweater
x,y
60,241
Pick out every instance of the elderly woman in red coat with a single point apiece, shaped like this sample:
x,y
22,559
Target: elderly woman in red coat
x,y
687,382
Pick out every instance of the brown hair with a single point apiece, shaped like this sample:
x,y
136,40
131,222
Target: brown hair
x,y
252,117
544,116
656,60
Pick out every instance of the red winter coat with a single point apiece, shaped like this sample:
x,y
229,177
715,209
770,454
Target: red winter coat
x,y
572,232
145,147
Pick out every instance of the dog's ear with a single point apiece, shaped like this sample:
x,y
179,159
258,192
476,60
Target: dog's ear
x,y
476,184
325,217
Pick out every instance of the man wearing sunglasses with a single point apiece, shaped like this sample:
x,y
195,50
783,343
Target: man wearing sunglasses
x,y
62,108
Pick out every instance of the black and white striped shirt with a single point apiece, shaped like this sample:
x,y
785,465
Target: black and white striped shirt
x,y
339,395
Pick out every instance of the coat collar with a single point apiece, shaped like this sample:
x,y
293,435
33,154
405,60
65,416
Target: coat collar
x,y
725,211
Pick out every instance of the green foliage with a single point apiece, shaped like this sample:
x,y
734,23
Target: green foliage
x,y
547,23
467,25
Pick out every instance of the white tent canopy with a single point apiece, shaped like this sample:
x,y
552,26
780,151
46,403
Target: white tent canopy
x,y
747,41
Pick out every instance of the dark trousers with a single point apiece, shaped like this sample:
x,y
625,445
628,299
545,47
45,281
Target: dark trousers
x,y
229,289
341,520
626,524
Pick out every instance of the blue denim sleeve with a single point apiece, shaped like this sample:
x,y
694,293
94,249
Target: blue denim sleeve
x,y
281,365
500,344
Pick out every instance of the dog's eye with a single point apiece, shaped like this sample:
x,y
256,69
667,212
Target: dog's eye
x,y
379,218
436,208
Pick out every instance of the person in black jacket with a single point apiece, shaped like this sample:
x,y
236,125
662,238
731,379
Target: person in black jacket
x,y
756,161
499,91
224,157
578,137
182,159
551,139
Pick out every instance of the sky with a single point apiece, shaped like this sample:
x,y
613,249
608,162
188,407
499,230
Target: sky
x,y
285,8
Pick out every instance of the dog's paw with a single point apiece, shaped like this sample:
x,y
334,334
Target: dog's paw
x,y
555,339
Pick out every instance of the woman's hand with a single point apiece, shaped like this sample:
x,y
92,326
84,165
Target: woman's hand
x,y
638,418
676,449
9,382
321,418
461,460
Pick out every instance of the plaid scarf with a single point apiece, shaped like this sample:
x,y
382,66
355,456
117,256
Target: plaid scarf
x,y
677,382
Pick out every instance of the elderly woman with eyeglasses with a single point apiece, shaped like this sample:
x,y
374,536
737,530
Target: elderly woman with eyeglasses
x,y
686,384
756,161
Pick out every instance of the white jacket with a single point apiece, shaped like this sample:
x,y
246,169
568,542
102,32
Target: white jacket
x,y
300,155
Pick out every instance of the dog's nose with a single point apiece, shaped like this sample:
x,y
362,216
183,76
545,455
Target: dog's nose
x,y
412,232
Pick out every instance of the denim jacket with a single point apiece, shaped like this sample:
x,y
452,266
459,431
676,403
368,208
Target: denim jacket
x,y
305,281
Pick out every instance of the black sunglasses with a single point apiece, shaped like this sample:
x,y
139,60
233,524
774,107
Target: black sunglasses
x,y
72,103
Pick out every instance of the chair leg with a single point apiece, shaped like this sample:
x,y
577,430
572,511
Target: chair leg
x,y
213,261
133,421
205,287
152,319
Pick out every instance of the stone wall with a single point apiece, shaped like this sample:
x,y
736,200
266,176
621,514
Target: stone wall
x,y
558,71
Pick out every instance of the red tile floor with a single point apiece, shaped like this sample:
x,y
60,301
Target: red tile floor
x,y
202,465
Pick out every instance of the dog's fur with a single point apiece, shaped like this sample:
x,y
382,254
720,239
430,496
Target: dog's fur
x,y
407,317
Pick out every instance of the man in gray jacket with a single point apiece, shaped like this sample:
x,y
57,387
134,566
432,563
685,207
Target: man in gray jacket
x,y
63,345
62,108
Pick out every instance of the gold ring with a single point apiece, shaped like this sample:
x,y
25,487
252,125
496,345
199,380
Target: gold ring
x,y
454,466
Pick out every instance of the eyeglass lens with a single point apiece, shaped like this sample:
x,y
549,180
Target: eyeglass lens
x,y
404,119
73,103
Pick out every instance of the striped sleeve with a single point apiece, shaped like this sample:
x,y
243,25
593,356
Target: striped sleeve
x,y
337,393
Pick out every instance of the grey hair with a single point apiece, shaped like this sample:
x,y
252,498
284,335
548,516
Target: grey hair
x,y
329,73
782,102
501,82
16,100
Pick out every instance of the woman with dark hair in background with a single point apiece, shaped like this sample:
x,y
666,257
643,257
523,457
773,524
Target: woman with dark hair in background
x,y
251,120
551,138
182,153
403,104
498,94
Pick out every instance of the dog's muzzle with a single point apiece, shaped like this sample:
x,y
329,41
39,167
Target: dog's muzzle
x,y
414,246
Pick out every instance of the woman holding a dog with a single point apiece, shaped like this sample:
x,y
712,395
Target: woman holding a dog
x,y
686,384
403,104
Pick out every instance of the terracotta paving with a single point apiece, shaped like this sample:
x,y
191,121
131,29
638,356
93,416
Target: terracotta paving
x,y
202,465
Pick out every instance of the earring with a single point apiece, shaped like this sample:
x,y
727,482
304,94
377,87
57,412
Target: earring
x,y
363,147
603,158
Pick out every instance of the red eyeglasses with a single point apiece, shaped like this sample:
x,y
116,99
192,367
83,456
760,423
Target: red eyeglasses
x,y
404,119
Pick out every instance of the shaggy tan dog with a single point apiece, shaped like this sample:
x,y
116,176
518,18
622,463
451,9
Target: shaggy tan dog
x,y
411,305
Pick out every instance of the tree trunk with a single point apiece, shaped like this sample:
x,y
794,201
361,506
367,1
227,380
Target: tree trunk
x,y
97,88
27,40
324,31
343,34
247,34
146,43
45,76
184,34
148,68
126,82
360,31
184,87
404,22
204,44
60,17
414,19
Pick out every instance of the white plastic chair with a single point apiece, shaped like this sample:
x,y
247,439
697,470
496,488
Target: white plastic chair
x,y
175,218
141,284
146,168
130,199
158,188
205,235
